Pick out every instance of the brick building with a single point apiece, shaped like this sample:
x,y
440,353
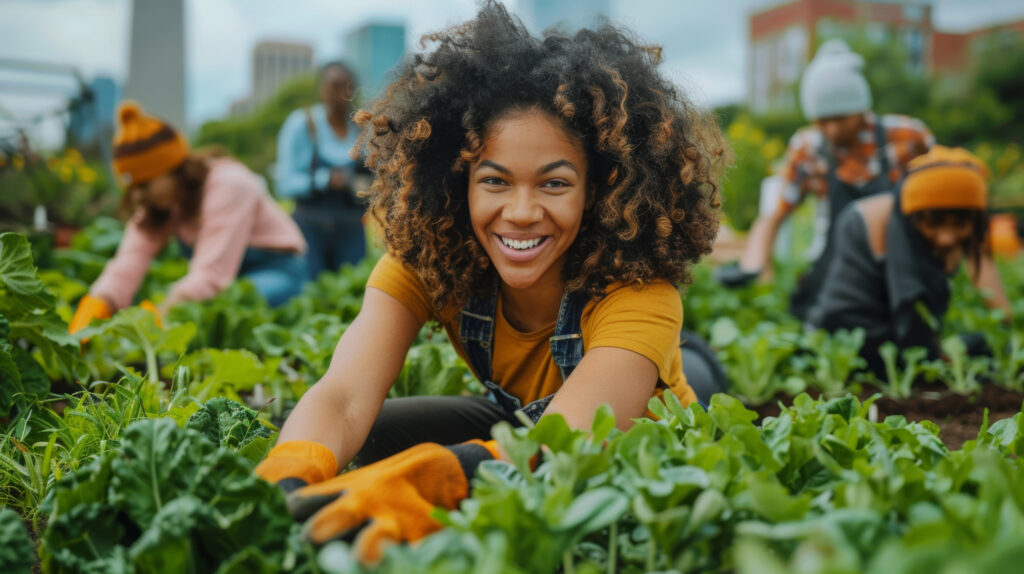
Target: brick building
x,y
782,38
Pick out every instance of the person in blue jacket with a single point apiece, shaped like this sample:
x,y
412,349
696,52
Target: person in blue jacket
x,y
315,169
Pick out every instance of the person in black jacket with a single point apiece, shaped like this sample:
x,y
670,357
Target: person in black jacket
x,y
896,252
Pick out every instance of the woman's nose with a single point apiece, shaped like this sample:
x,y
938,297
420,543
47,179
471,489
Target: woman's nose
x,y
522,208
945,238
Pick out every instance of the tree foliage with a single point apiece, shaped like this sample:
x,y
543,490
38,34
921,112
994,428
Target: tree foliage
x,y
253,138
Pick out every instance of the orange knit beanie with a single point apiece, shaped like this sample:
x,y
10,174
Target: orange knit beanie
x,y
145,147
945,178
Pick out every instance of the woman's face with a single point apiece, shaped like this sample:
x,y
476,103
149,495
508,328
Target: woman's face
x,y
158,194
841,131
336,88
527,194
946,232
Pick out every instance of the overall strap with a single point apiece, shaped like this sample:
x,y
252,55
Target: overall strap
x,y
567,342
476,331
881,142
314,160
566,346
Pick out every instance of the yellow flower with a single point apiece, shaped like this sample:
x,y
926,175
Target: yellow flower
x,y
86,174
73,156
65,173
18,161
772,149
1007,159
737,131
984,151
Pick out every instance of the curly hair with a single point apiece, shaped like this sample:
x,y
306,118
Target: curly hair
x,y
653,158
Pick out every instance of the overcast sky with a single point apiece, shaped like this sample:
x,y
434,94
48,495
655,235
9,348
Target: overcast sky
x,y
704,41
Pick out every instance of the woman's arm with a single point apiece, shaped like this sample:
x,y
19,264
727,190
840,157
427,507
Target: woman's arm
x,y
631,337
295,158
623,379
340,409
991,285
124,273
761,240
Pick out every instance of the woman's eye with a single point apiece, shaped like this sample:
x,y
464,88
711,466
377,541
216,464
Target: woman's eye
x,y
492,181
556,183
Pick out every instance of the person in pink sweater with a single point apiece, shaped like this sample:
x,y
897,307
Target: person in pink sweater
x,y
218,210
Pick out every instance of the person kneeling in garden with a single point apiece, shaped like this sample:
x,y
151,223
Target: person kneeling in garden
x,y
896,252
219,211
540,199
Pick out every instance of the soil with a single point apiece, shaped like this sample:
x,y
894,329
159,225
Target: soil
x,y
959,417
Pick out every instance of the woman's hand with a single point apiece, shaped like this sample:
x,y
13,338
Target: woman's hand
x,y
338,180
391,500
89,308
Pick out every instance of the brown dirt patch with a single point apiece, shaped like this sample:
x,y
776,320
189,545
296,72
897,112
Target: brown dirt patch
x,y
959,417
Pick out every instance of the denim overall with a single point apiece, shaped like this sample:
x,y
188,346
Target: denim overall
x,y
331,222
476,332
840,194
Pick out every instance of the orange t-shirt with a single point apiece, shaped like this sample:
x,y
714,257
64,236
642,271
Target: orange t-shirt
x,y
644,319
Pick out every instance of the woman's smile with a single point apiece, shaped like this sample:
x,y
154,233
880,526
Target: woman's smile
x,y
522,250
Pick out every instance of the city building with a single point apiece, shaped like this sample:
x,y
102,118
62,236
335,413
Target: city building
x,y
782,38
373,50
953,53
274,64
156,61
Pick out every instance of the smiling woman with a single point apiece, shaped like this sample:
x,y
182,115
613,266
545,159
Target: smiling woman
x,y
541,199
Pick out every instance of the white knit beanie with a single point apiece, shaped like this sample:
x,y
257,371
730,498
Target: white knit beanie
x,y
833,84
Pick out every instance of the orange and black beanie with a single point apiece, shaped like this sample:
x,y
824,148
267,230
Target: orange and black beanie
x,y
945,178
145,147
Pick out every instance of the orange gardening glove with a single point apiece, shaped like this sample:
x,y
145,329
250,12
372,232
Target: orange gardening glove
x,y
149,306
1002,235
89,308
297,463
391,500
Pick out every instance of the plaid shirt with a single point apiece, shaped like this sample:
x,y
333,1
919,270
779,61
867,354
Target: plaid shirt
x,y
806,167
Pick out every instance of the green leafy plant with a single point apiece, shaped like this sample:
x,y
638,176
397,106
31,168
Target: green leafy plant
x,y
819,488
754,360
963,374
134,330
17,553
833,358
27,316
225,373
233,425
168,500
901,369
1010,363
431,369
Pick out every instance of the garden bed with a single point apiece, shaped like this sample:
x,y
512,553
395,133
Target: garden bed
x,y
958,417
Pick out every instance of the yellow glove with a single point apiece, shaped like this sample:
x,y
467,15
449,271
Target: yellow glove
x,y
1002,235
296,463
89,308
391,500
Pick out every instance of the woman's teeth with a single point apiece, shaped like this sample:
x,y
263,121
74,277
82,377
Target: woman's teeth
x,y
522,245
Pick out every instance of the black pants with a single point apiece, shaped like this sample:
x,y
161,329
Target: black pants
x,y
409,421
